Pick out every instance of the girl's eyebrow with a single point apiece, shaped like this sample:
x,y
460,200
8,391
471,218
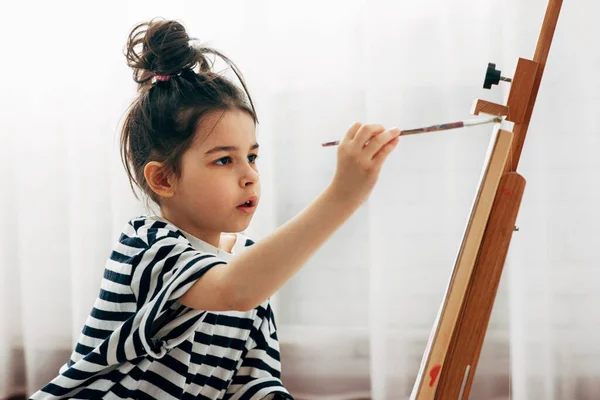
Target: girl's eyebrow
x,y
228,148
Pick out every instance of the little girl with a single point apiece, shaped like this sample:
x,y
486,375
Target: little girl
x,y
183,309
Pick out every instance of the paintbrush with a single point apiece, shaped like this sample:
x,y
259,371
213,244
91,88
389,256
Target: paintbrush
x,y
436,128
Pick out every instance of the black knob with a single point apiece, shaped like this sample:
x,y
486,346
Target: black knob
x,y
492,76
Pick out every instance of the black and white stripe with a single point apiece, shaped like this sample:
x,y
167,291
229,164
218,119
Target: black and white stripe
x,y
139,342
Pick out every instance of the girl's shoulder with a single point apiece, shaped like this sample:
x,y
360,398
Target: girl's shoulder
x,y
150,229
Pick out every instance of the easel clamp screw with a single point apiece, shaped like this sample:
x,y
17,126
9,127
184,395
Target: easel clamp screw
x,y
492,76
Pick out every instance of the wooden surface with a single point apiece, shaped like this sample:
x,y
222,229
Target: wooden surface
x,y
467,341
540,56
439,341
487,107
521,89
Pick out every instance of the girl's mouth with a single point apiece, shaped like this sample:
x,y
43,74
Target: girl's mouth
x,y
249,206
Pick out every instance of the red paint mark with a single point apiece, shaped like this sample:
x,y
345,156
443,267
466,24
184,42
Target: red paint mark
x,y
506,192
433,374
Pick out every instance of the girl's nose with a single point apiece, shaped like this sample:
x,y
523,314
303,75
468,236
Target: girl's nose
x,y
250,177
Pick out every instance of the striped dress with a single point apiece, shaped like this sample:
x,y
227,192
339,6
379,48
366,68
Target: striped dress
x,y
139,342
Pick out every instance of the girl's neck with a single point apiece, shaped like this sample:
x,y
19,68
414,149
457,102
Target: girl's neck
x,y
210,237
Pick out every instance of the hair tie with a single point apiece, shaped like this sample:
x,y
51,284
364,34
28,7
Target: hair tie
x,y
163,78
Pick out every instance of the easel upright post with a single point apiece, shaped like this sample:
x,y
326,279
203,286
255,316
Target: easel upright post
x,y
450,360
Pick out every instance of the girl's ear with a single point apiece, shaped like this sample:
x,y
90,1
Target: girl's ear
x,y
157,179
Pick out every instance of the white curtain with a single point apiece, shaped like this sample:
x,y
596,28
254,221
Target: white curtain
x,y
354,322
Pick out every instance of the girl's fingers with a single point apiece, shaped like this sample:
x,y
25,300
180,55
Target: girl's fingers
x,y
379,141
352,132
366,133
382,154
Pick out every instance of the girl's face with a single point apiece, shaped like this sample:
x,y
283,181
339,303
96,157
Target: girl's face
x,y
219,186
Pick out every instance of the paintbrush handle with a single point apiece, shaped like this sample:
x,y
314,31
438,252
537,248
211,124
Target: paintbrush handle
x,y
436,128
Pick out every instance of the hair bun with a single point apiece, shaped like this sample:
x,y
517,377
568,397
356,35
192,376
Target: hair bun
x,y
159,47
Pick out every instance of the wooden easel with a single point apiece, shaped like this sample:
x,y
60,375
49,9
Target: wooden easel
x,y
450,359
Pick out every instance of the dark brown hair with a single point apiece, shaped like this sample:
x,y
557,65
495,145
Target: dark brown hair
x,y
161,122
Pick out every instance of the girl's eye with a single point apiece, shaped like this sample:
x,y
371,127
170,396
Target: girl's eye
x,y
224,160
227,160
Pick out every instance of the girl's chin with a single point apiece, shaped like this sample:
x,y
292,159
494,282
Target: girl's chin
x,y
238,226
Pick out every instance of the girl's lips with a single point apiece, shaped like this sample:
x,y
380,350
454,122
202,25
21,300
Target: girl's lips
x,y
250,202
247,209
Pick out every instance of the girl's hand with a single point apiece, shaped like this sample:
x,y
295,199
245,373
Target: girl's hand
x,y
361,155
